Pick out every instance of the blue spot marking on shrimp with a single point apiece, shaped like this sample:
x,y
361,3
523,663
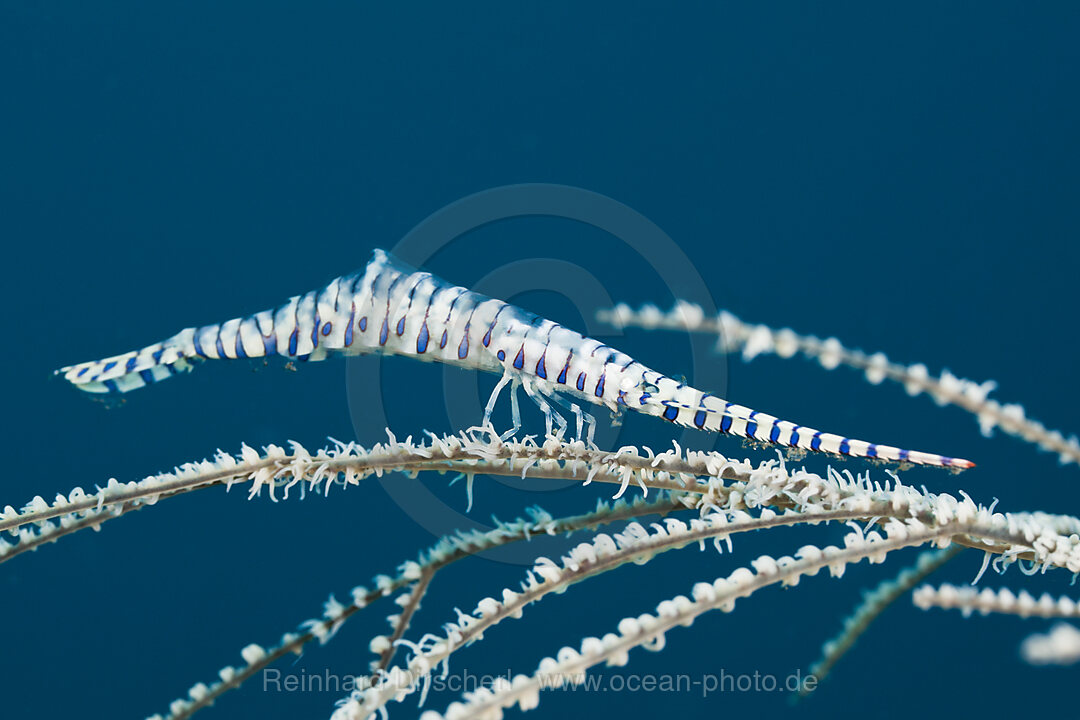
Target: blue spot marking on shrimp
x,y
270,344
487,335
581,382
904,454
110,385
463,348
519,360
794,441
422,339
774,434
751,428
871,451
845,447
671,413
699,418
600,385
501,354
621,400
82,372
644,396
725,423
348,331
156,355
217,345
541,368
815,444
401,326
363,324
945,460
147,376
130,363
198,346
442,343
315,331
239,346
384,332
325,328
562,375
292,340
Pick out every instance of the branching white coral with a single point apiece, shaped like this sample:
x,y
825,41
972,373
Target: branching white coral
x,y
1061,646
703,499
1002,601
648,630
734,335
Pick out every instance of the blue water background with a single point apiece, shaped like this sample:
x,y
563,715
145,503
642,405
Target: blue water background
x,y
905,179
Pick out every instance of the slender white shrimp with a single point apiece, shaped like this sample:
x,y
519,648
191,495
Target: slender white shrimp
x,y
387,308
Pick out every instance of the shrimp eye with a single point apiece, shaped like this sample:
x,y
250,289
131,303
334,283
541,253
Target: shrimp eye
x,y
649,387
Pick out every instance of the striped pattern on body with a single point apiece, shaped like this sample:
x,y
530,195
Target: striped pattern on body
x,y
388,308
